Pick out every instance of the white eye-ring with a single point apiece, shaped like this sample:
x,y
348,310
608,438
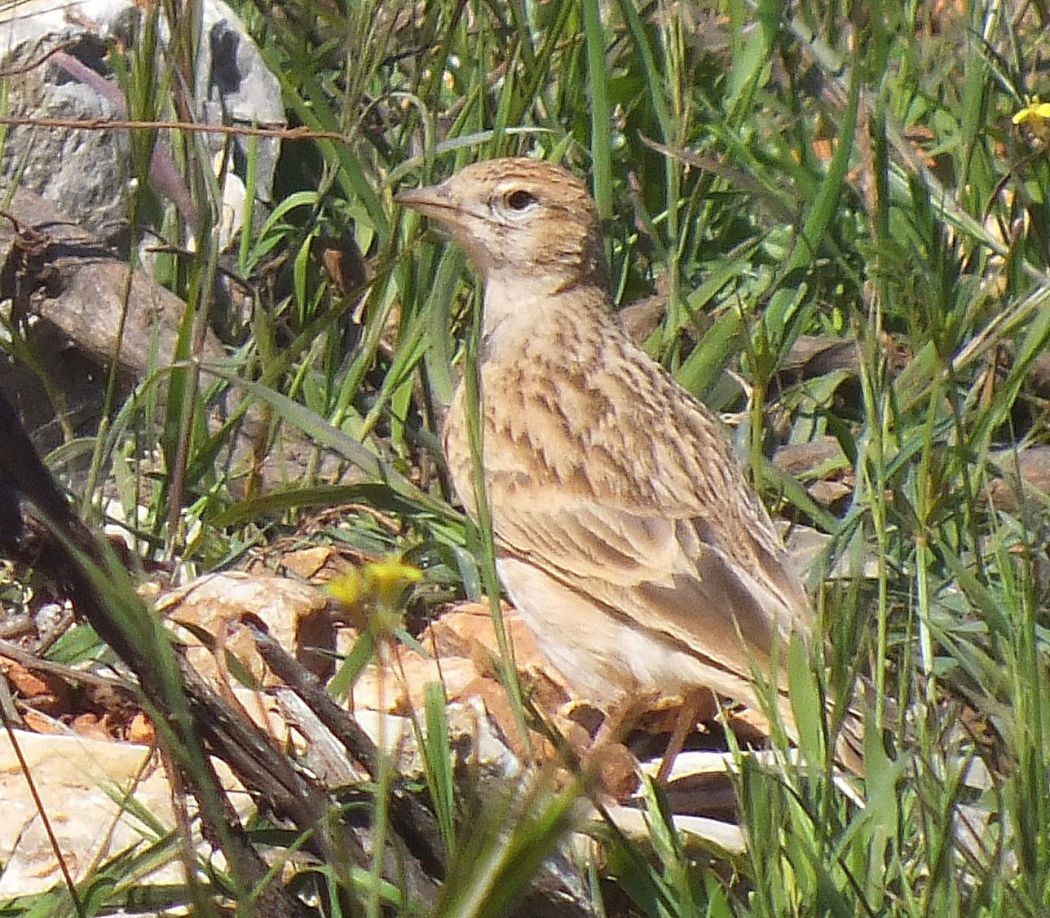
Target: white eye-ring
x,y
519,200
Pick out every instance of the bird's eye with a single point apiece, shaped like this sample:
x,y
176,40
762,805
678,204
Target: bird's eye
x,y
521,200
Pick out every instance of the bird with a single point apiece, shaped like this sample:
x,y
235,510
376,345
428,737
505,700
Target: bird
x,y
628,536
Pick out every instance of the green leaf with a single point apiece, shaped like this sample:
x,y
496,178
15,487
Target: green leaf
x,y
806,705
438,758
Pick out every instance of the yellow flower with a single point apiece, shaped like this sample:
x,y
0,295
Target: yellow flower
x,y
376,592
1035,115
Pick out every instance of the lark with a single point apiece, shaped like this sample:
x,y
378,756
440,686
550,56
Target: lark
x,y
629,538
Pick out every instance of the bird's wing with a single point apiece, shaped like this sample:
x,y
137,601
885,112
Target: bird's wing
x,y
667,575
622,487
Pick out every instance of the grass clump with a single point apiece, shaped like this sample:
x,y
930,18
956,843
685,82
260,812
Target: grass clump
x,y
770,173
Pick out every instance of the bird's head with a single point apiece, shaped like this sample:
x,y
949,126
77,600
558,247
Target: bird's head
x,y
517,218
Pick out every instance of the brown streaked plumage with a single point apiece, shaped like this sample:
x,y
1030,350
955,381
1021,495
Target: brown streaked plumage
x,y
629,538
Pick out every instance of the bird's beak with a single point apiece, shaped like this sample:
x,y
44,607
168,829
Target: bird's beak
x,y
441,204
431,201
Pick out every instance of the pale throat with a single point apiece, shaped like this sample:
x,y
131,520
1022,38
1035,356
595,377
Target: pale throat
x,y
517,307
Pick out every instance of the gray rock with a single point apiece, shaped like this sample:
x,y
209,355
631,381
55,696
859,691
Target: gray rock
x,y
83,170
87,171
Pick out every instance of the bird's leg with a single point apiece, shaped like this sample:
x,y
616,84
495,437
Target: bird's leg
x,y
613,764
622,716
693,702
